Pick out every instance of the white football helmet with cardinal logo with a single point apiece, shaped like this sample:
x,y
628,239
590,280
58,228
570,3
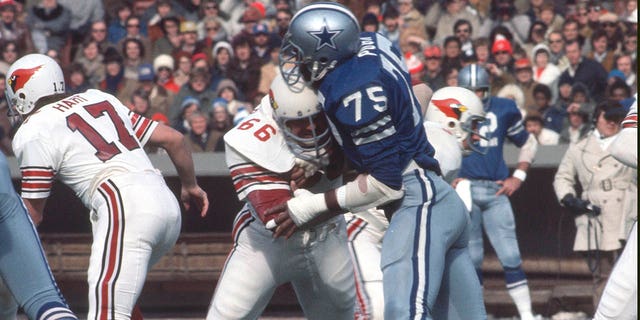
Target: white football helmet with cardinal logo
x,y
30,78
460,112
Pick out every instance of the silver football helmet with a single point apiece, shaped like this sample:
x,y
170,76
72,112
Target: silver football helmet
x,y
475,78
461,112
320,36
299,115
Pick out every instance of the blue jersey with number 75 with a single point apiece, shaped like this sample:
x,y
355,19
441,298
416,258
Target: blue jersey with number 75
x,y
374,114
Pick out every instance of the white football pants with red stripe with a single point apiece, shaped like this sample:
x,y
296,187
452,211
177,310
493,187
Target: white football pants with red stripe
x,y
135,220
365,244
315,261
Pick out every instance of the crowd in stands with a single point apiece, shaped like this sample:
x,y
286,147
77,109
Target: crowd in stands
x,y
202,65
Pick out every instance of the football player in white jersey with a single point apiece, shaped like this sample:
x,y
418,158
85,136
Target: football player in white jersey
x,y
452,118
620,297
261,152
91,142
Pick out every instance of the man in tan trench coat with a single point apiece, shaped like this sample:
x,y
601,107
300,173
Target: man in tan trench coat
x,y
607,208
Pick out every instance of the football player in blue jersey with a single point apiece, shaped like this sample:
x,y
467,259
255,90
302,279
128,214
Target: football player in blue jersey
x,y
23,266
491,184
366,94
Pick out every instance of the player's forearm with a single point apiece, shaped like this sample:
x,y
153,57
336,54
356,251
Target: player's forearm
x,y
363,193
528,150
180,154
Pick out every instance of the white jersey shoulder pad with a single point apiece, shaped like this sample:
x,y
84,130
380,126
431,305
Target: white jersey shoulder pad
x,y
259,139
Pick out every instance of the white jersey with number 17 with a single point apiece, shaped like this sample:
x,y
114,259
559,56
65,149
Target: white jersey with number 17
x,y
79,140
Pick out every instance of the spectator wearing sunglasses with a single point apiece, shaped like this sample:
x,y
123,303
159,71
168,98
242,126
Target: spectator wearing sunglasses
x,y
463,30
609,22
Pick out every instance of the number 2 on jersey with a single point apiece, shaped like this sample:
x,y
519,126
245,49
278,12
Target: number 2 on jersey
x,y
104,150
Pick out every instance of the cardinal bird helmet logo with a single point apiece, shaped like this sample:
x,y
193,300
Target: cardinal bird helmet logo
x,y
450,107
21,76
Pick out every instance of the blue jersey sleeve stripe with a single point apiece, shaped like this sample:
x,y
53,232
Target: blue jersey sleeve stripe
x,y
372,128
376,137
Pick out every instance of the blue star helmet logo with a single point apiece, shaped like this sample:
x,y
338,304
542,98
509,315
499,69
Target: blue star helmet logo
x,y
325,37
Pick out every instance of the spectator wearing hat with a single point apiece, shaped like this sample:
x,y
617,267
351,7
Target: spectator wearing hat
x,y
197,87
187,106
49,23
524,80
501,64
77,81
250,17
261,37
416,68
12,29
584,70
390,26
171,39
222,53
200,60
544,71
454,10
601,53
183,68
159,98
609,22
244,69
134,29
189,35
163,66
433,76
534,124
269,71
199,137
228,90
220,122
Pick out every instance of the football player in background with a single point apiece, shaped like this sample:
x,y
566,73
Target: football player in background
x,y
451,121
26,280
366,94
490,184
620,297
93,143
262,151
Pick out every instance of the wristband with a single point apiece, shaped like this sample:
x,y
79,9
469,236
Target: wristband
x,y
520,174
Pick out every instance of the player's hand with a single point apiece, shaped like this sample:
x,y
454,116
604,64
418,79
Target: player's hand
x,y
196,196
509,186
282,225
